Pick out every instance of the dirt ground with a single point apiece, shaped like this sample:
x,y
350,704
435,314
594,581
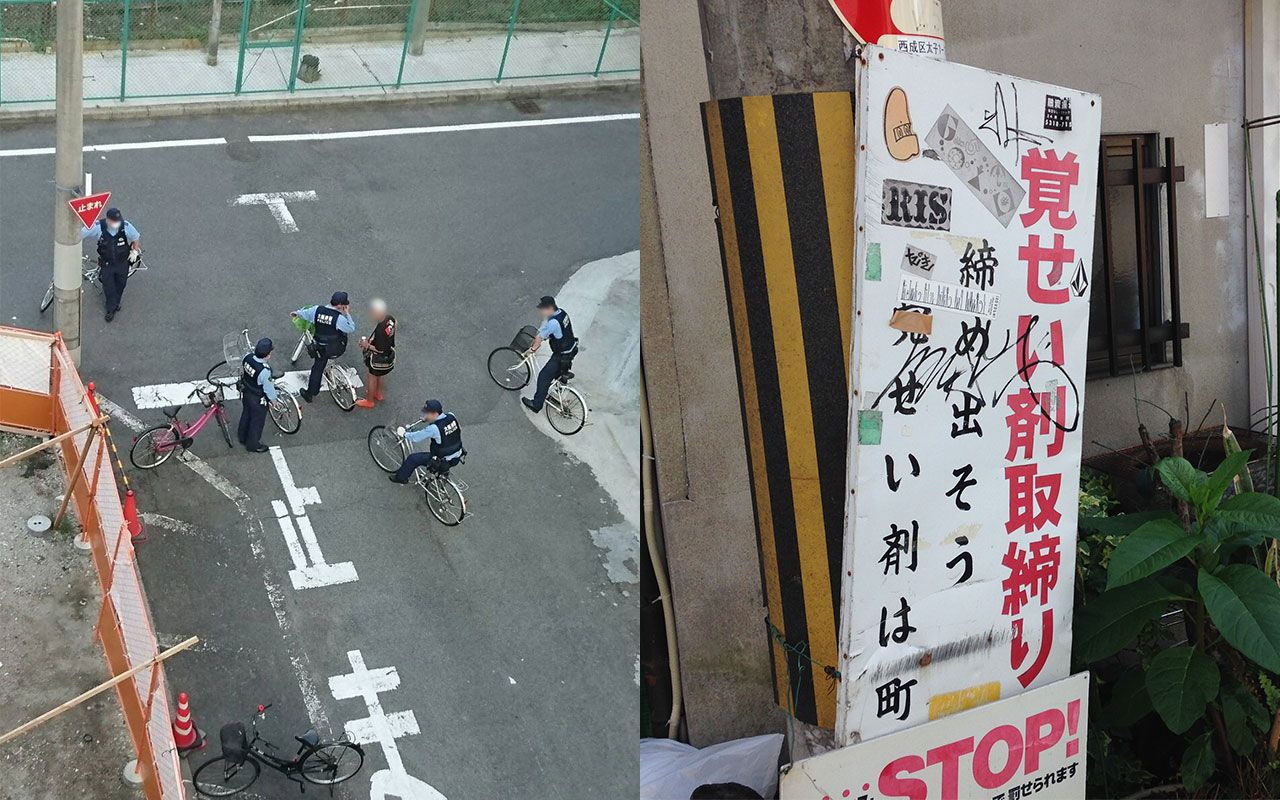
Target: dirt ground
x,y
49,601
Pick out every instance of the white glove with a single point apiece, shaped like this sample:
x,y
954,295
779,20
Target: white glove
x,y
134,255
400,431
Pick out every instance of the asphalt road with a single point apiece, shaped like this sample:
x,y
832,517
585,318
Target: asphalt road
x,y
513,647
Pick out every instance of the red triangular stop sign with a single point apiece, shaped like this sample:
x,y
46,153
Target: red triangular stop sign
x,y
88,208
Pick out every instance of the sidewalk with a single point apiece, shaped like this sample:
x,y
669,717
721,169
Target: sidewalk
x,y
448,62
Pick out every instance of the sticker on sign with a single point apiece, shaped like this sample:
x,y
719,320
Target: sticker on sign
x,y
88,208
1029,746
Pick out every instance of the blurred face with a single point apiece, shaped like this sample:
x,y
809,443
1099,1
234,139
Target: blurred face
x,y
546,313
113,225
430,416
378,311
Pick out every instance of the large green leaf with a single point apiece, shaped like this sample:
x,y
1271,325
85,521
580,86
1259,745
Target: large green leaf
x,y
1152,547
1181,681
1129,700
1242,714
1198,762
1252,511
1244,604
1114,618
1222,477
1180,478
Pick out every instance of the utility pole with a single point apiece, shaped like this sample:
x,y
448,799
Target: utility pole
x,y
67,173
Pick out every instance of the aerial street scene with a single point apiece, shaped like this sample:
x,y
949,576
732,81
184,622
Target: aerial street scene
x,y
783,400
319,377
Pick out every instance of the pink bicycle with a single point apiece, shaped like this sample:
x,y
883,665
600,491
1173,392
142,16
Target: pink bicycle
x,y
154,446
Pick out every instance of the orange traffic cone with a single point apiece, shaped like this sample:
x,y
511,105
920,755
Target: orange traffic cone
x,y
131,516
185,734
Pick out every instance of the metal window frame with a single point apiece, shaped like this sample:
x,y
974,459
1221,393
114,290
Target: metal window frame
x,y
1146,347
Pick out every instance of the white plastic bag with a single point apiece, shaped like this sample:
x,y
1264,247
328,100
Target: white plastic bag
x,y
671,770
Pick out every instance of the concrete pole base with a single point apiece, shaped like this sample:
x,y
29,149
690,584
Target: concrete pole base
x,y
82,543
131,773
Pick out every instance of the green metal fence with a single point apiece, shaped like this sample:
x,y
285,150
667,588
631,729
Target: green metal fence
x,y
137,49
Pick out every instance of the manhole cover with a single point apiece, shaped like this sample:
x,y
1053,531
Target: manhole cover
x,y
39,524
243,151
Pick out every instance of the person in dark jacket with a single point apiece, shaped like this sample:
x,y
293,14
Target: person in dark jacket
x,y
119,247
379,351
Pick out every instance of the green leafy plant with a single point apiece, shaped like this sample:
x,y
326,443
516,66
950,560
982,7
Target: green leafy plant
x,y
1203,558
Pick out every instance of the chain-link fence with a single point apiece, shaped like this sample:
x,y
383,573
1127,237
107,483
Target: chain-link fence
x,y
136,49
41,393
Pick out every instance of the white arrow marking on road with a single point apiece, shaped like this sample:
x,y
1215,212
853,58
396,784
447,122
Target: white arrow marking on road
x,y
298,497
276,203
164,395
382,729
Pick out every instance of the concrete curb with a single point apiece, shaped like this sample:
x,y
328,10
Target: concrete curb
x,y
309,100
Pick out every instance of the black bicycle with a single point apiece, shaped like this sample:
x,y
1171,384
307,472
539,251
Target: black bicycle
x,y
318,762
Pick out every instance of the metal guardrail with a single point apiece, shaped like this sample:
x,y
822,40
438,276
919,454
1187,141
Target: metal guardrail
x,y
144,49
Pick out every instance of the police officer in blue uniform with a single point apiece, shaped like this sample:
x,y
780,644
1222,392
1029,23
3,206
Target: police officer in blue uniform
x,y
119,245
558,331
445,435
256,390
333,322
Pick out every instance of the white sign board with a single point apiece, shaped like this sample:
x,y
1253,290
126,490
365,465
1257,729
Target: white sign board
x,y
974,251
1030,747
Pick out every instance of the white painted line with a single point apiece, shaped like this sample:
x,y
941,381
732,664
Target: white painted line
x,y
275,595
166,395
108,148
382,729
310,570
473,126
299,497
277,204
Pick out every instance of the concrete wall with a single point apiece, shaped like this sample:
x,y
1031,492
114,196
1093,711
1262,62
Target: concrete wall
x,y
1168,67
1196,77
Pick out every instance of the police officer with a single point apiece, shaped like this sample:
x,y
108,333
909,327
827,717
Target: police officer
x,y
333,322
119,245
256,390
558,330
445,435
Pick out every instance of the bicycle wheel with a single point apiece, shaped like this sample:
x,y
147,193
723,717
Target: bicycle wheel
x,y
224,373
153,447
508,369
47,300
566,410
221,778
332,763
297,351
221,415
286,412
385,448
445,501
340,388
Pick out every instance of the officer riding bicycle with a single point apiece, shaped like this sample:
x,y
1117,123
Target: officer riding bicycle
x,y
558,331
445,435
333,322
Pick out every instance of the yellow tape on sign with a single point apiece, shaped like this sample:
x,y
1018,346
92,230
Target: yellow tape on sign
x,y
942,705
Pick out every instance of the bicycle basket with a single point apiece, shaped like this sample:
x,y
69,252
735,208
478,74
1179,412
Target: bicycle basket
x,y
524,338
206,395
235,346
235,743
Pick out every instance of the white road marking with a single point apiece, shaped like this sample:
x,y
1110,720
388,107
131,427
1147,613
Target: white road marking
x,y
165,395
277,204
168,523
472,126
310,570
107,148
275,595
382,729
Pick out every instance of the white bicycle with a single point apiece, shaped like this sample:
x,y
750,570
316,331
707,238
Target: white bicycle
x,y
285,412
443,493
90,272
337,377
512,366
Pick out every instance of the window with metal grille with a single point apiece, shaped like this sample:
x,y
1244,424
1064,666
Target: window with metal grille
x,y
1135,320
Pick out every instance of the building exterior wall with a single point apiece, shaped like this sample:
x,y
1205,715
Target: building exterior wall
x,y
1169,67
